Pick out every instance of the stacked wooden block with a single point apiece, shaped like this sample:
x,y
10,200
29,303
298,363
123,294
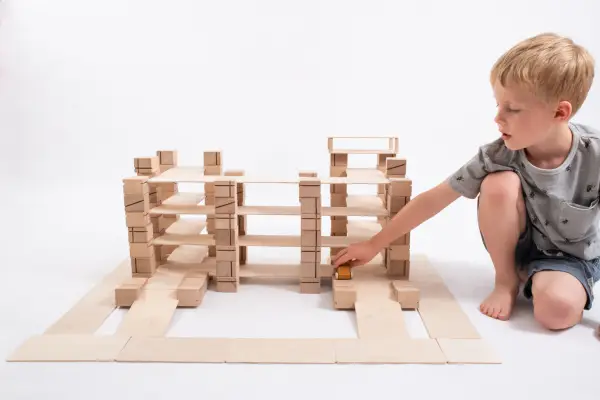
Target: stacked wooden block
x,y
339,196
310,239
398,193
226,236
242,219
167,159
141,232
213,165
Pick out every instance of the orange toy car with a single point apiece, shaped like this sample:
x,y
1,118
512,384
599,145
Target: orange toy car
x,y
343,272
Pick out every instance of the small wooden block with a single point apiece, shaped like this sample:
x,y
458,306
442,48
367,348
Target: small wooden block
x,y
310,239
225,189
310,206
310,287
399,252
468,351
141,250
309,270
344,295
337,171
307,174
213,170
144,266
309,191
226,269
129,291
407,294
225,205
226,237
191,291
141,234
167,157
311,255
212,158
147,163
310,223
226,286
395,167
339,159
227,253
135,185
400,187
137,219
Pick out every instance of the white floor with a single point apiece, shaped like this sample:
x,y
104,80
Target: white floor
x,y
56,252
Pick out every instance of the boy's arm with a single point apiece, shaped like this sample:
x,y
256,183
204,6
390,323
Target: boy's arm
x,y
414,213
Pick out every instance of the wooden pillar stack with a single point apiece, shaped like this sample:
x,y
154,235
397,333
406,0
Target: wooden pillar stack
x,y
140,229
398,193
226,236
339,195
213,165
310,237
167,159
242,219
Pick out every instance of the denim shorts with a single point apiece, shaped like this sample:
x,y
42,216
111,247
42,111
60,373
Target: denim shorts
x,y
530,259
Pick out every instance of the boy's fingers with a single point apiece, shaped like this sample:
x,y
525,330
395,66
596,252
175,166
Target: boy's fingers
x,y
342,260
338,255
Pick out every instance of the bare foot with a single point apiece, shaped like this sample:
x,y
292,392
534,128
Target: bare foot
x,y
500,302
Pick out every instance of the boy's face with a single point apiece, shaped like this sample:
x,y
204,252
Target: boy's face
x,y
525,120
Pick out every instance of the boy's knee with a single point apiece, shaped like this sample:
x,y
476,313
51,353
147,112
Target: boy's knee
x,y
556,309
502,185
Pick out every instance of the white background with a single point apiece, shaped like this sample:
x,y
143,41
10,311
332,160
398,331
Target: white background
x,y
86,86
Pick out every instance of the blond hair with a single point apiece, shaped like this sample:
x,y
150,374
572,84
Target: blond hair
x,y
552,67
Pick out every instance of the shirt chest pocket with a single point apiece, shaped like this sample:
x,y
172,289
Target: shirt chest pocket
x,y
576,222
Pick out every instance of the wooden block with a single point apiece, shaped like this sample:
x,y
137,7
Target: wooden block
x,y
225,205
395,167
338,189
338,200
468,351
212,158
310,223
388,351
129,291
227,286
167,157
226,237
344,295
400,187
380,319
135,185
310,255
225,188
337,171
310,239
137,219
144,266
309,270
141,250
395,204
225,221
310,206
310,287
191,291
398,268
382,160
227,253
399,252
141,234
146,163
339,159
407,294
309,191
226,269
213,170
307,174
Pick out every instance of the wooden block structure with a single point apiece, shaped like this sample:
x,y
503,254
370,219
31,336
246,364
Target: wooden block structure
x,y
212,166
310,237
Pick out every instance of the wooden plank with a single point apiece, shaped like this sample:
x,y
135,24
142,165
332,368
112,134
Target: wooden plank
x,y
183,210
150,315
294,240
442,315
468,351
175,350
388,351
69,347
90,312
380,319
184,199
281,351
175,240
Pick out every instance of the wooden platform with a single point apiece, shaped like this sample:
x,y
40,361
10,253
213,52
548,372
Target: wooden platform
x,y
381,339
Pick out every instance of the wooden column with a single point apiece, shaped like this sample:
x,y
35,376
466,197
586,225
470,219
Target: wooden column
x,y
167,159
398,193
310,236
339,196
226,236
241,219
213,165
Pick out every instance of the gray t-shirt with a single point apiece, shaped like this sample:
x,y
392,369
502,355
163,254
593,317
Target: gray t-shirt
x,y
562,203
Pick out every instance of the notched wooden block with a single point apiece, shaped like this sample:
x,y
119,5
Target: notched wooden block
x,y
135,185
395,167
141,234
212,158
407,294
310,223
225,205
147,163
167,157
400,187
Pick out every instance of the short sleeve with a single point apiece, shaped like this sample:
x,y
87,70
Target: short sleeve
x,y
491,157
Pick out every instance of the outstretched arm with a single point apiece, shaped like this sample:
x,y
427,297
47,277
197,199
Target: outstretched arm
x,y
414,213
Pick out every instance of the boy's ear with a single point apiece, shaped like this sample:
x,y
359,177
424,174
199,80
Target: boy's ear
x,y
563,111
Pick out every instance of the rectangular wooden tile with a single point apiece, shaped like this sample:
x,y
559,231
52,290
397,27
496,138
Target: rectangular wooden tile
x,y
70,347
380,319
150,315
281,351
468,351
174,349
388,351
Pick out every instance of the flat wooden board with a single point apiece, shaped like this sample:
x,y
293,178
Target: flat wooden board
x,y
70,347
175,349
468,351
388,351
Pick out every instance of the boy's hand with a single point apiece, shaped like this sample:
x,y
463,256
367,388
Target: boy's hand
x,y
356,254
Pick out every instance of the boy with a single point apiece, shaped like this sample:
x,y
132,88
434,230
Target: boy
x,y
538,187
